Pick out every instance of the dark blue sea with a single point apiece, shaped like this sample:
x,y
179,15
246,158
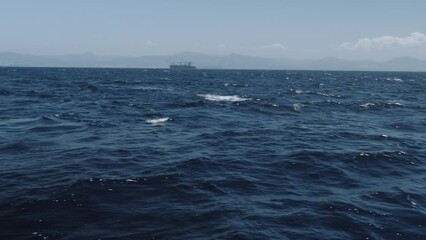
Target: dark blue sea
x,y
211,154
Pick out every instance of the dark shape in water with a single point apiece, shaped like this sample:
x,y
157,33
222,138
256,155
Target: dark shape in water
x,y
182,65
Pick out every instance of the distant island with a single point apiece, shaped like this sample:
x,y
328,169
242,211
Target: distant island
x,y
204,61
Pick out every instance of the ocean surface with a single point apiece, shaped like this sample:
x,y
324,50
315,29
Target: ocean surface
x,y
211,154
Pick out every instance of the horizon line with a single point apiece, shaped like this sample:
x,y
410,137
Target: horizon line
x,y
208,54
220,69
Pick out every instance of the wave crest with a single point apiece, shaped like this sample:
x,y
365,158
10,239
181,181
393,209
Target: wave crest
x,y
223,98
158,120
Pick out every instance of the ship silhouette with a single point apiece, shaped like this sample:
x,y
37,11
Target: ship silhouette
x,y
182,65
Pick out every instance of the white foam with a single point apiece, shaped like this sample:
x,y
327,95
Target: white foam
x,y
158,120
397,104
219,98
367,105
297,106
298,91
395,79
364,154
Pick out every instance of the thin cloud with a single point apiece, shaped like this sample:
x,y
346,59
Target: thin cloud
x,y
275,45
413,40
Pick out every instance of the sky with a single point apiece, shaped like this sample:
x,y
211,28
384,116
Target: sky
x,y
294,29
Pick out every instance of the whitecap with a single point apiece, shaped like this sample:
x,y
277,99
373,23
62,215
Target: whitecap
x,y
158,120
364,154
394,103
395,79
367,105
298,91
297,106
219,98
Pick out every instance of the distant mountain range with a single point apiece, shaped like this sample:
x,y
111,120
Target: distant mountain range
x,y
231,61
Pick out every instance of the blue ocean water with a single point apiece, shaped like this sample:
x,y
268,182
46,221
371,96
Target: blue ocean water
x,y
211,154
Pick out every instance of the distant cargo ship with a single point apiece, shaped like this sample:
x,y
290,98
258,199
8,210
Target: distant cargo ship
x,y
182,65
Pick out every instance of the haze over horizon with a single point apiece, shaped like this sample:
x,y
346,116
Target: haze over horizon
x,y
358,30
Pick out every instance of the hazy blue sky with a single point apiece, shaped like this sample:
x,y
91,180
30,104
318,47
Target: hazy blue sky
x,y
351,29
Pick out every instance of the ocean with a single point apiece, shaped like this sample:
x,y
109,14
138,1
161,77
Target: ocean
x,y
211,154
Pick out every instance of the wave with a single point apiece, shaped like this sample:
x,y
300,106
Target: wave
x,y
367,105
41,121
158,121
150,88
391,104
223,98
329,95
14,147
395,79
297,106
395,104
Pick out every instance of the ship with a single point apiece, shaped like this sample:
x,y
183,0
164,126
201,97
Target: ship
x,y
182,65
